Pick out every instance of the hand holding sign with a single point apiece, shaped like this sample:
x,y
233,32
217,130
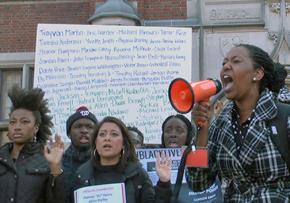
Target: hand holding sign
x,y
163,167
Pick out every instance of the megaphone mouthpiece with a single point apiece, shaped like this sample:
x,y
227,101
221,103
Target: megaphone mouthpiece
x,y
218,85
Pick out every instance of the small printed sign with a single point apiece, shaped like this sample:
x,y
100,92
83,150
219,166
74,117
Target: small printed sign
x,y
106,193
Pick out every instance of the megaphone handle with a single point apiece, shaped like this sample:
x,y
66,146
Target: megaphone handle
x,y
201,122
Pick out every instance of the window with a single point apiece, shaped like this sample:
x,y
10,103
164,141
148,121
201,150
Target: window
x,y
11,74
8,79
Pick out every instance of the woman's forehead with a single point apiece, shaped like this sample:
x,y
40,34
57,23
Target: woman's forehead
x,y
21,113
175,121
237,52
110,126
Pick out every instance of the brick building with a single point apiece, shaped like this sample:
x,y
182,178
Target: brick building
x,y
215,25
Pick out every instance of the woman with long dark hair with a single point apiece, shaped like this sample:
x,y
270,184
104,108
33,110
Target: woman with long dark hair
x,y
114,161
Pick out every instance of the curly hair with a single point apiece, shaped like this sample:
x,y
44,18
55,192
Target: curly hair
x,y
33,100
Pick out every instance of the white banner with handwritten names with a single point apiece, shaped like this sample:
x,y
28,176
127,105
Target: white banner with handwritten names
x,y
121,71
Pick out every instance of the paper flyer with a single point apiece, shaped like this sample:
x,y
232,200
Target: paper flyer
x,y
106,193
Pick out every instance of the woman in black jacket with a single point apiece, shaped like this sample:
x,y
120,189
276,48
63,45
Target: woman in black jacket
x,y
114,161
29,171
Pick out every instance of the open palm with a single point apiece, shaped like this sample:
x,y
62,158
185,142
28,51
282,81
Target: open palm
x,y
53,154
163,167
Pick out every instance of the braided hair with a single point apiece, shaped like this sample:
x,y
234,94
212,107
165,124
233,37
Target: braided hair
x,y
261,59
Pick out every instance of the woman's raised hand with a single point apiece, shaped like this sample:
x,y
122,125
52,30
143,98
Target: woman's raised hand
x,y
53,154
163,167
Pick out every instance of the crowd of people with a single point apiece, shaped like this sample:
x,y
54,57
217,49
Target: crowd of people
x,y
237,133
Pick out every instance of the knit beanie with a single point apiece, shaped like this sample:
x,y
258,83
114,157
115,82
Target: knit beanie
x,y
81,112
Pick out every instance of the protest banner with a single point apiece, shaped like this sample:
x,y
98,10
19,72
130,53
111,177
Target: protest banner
x,y
121,71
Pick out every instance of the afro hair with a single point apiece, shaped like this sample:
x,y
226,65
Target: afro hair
x,y
33,100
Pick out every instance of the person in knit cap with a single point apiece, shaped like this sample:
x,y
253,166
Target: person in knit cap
x,y
80,127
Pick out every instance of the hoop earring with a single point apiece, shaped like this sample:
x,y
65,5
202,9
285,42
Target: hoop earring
x,y
123,152
95,153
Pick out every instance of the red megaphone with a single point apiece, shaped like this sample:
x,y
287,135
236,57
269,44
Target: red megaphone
x,y
183,95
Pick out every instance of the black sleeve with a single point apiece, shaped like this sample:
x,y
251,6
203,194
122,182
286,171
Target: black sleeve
x,y
55,192
76,184
161,193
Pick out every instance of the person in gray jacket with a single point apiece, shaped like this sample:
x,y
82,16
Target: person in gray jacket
x,y
114,161
30,171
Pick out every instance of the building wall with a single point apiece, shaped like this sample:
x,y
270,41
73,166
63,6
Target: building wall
x,y
162,9
19,19
224,23
216,25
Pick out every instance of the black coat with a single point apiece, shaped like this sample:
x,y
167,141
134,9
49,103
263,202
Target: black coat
x,y
139,188
72,159
28,179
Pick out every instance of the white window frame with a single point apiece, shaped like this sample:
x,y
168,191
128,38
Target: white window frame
x,y
21,60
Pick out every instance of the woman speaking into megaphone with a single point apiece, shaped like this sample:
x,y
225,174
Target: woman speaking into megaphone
x,y
239,141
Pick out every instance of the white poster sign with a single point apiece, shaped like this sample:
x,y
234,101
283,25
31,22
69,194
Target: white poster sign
x,y
106,193
121,71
